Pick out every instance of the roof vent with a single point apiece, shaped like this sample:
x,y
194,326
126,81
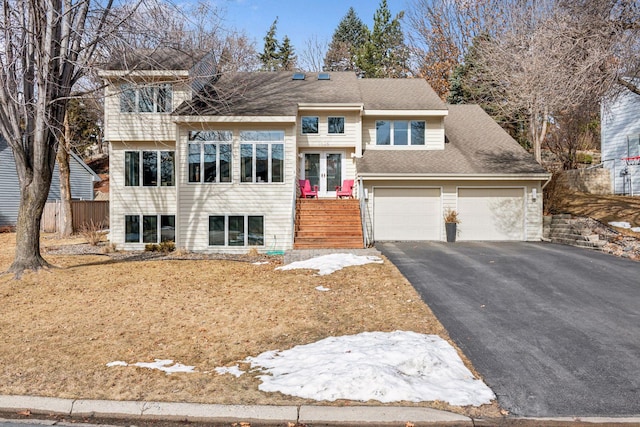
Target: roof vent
x,y
324,76
298,76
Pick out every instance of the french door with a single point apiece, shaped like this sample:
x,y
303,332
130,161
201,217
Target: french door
x,y
324,169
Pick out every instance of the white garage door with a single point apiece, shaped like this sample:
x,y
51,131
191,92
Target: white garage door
x,y
407,214
491,213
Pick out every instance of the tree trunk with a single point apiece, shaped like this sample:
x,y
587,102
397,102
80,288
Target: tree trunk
x,y
27,255
66,225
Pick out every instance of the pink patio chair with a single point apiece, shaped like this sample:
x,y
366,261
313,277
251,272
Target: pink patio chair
x,y
346,190
306,191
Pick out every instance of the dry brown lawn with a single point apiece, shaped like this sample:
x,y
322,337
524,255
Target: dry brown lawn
x,y
60,327
605,209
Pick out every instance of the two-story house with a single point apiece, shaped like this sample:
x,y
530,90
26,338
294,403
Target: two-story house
x,y
217,168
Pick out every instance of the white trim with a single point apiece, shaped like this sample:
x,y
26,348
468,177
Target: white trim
x,y
123,74
331,107
523,230
235,119
407,113
322,167
454,177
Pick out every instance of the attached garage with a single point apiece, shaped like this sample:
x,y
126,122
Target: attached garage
x,y
407,213
491,214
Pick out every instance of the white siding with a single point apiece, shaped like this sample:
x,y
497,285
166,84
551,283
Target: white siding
x,y
273,201
323,139
140,126
620,138
135,200
434,133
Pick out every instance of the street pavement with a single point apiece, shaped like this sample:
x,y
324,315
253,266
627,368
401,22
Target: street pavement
x,y
553,330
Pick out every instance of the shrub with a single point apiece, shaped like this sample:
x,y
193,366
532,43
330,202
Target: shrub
x,y
584,158
92,232
164,247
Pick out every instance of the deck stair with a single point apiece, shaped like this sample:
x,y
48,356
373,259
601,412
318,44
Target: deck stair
x,y
328,224
565,230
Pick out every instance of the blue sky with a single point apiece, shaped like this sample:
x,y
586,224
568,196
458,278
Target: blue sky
x,y
298,19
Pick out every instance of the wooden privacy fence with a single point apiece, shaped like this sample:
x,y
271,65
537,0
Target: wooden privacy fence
x,y
84,212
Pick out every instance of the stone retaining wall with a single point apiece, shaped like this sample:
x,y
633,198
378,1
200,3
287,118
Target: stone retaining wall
x,y
592,181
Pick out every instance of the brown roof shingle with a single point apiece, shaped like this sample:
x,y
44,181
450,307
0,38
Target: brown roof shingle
x,y
476,145
277,94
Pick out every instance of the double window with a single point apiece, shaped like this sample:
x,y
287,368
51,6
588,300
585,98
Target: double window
x,y
210,154
150,228
400,132
146,98
158,168
236,230
262,156
310,125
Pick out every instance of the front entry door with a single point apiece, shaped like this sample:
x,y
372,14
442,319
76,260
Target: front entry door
x,y
325,170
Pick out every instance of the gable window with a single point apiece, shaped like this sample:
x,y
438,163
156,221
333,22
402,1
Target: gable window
x,y
236,230
158,168
155,228
400,132
146,99
210,154
262,156
336,125
309,125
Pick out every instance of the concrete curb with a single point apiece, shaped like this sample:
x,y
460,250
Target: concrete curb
x,y
230,413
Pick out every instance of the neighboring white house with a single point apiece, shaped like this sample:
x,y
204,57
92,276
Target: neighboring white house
x,y
81,176
203,167
620,140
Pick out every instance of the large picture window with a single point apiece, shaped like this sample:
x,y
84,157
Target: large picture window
x,y
158,168
210,154
236,230
400,132
262,156
155,228
146,99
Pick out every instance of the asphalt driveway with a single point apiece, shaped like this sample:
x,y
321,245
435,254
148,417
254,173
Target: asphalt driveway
x,y
554,330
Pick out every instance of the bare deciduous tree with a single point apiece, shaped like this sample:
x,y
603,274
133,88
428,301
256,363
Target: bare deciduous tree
x,y
46,48
312,57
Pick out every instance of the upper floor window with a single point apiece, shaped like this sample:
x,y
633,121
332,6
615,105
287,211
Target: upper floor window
x,y
262,156
146,98
309,125
400,132
210,154
158,168
336,125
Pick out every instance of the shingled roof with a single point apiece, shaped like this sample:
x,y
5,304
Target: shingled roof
x,y
154,59
477,145
278,94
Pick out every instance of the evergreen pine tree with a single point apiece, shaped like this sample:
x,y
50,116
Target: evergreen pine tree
x,y
270,57
348,39
384,54
286,55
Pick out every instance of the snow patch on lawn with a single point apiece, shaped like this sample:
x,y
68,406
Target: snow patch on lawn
x,y
165,365
327,264
233,370
382,366
624,224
